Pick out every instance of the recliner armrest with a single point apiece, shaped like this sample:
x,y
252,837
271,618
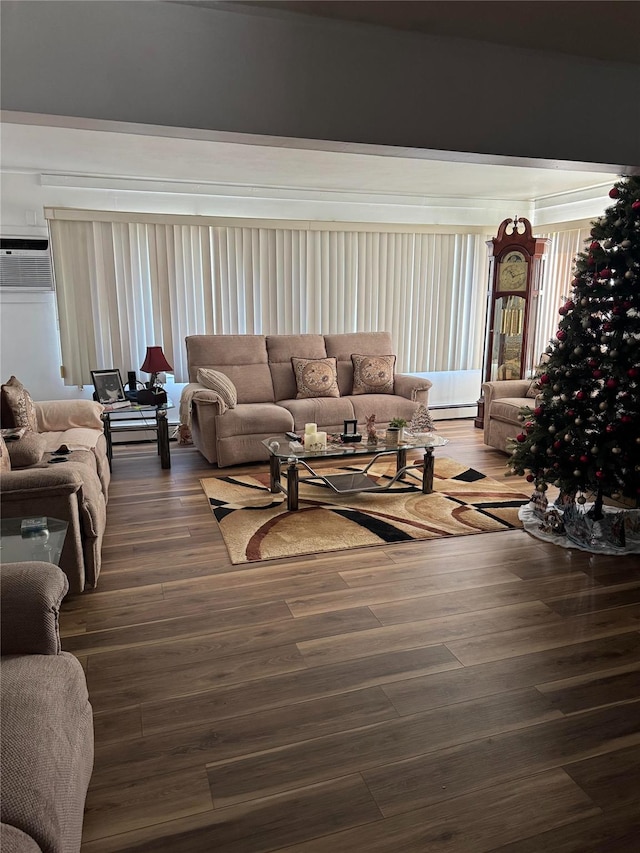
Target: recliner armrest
x,y
50,481
415,388
29,608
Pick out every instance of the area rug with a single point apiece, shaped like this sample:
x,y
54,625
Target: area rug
x,y
256,525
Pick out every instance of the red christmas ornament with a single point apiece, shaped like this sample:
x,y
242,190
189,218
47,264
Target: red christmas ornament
x,y
529,478
561,335
595,245
633,372
597,374
600,475
570,305
592,362
521,437
562,311
606,273
538,411
610,428
626,419
607,327
545,379
612,383
614,192
580,395
528,425
636,205
584,459
557,445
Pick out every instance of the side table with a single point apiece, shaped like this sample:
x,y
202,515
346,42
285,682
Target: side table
x,y
44,546
159,423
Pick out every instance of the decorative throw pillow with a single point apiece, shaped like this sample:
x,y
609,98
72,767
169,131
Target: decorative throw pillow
x,y
220,383
534,389
373,374
316,377
5,461
27,451
17,406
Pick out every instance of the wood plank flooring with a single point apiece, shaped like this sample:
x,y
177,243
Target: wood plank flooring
x,y
479,693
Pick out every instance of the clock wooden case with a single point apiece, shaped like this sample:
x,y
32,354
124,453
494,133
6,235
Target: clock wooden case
x,y
515,281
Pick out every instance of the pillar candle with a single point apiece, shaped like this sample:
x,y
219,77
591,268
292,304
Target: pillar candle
x,y
322,439
310,429
310,440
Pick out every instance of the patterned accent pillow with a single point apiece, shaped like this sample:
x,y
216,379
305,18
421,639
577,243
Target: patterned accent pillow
x,y
373,374
220,383
534,389
316,377
17,406
5,461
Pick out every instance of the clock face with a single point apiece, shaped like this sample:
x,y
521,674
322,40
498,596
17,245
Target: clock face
x,y
512,274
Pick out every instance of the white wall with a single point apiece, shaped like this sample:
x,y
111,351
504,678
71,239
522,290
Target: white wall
x,y
275,74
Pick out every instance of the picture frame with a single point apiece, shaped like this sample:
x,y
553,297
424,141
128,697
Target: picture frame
x,y
350,427
109,387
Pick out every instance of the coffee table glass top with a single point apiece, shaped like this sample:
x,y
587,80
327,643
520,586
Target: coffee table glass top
x,y
45,545
280,446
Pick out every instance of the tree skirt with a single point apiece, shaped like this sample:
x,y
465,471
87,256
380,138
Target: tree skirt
x,y
256,525
597,539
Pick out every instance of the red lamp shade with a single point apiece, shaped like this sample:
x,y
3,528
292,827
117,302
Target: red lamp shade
x,y
155,361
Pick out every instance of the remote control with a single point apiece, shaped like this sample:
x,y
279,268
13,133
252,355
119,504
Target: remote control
x,y
292,436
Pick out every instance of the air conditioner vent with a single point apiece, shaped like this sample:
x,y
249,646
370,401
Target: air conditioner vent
x,y
25,264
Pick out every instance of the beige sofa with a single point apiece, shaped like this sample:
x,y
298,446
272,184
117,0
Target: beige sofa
x,y
261,370
74,490
503,401
47,722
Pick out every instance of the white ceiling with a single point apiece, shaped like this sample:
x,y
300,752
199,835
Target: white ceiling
x,y
95,149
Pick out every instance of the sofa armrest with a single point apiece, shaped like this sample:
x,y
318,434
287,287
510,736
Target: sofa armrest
x,y
44,481
29,608
59,415
207,397
414,388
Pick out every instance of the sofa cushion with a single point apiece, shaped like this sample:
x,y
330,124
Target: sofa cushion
x,y
342,346
534,389
281,349
5,459
329,412
507,409
60,415
315,377
17,406
243,358
373,374
27,451
220,383
253,419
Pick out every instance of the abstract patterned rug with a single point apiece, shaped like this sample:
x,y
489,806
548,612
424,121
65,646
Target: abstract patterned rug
x,y
256,525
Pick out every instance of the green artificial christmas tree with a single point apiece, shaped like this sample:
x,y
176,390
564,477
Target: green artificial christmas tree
x,y
584,433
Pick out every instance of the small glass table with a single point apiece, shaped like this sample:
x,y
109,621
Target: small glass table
x,y
159,423
352,482
44,545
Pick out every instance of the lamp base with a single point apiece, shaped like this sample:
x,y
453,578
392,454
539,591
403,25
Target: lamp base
x,y
147,397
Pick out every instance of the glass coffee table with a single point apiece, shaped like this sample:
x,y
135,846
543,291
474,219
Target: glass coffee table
x,y
281,455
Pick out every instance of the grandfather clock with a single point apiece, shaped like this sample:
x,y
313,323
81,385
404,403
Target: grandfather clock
x,y
515,282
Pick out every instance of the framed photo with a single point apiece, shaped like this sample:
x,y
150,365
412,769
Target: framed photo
x,y
108,385
350,427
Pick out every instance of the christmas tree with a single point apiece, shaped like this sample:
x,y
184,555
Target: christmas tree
x,y
584,433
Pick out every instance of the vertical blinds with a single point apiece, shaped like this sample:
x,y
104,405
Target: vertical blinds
x,y
123,285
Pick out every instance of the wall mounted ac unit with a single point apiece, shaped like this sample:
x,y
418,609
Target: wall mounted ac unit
x,y
25,265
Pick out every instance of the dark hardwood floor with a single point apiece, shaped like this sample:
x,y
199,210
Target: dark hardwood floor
x,y
340,702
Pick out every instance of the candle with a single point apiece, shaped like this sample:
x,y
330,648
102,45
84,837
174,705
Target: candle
x,y
315,441
322,439
310,429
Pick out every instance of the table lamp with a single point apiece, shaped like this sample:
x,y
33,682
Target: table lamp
x,y
154,362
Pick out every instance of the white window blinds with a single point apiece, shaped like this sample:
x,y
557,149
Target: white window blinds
x,y
122,285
